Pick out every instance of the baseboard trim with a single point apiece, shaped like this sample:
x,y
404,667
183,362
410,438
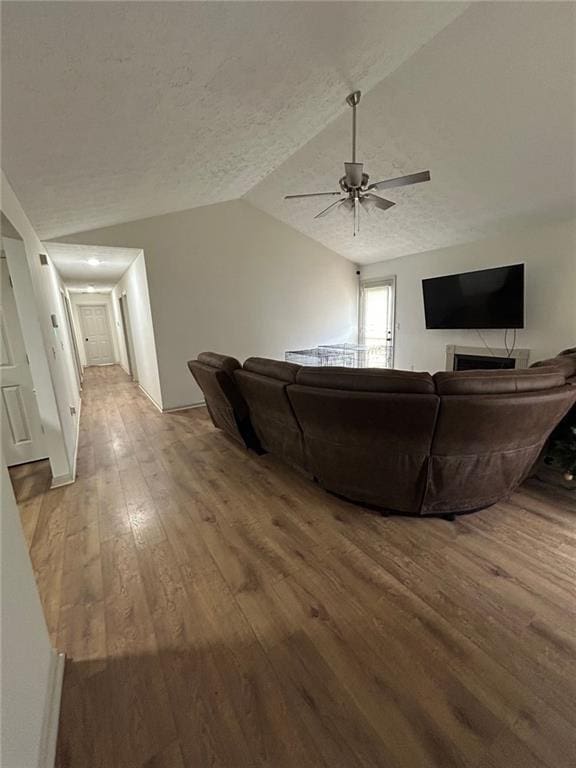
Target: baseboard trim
x,y
61,480
149,396
70,477
201,404
49,735
75,462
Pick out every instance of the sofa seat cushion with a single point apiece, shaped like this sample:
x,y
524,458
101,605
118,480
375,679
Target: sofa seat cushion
x,y
367,380
498,382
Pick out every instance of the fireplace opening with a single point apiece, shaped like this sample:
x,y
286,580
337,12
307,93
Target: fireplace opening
x,y
475,362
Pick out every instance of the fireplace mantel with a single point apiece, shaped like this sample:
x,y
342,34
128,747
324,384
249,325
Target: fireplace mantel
x,y
520,356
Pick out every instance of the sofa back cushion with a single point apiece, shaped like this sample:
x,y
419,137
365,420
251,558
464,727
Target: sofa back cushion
x,y
497,382
566,363
369,446
367,380
274,369
220,362
263,385
227,408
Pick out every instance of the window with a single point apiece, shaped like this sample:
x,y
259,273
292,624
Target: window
x,y
377,320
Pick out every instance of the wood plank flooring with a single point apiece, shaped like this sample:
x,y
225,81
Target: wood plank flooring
x,y
220,611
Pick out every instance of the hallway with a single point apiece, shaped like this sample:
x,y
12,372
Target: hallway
x,y
217,609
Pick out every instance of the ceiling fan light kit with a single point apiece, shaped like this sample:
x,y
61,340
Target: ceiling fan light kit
x,y
354,184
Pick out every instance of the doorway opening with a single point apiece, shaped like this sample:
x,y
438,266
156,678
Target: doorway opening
x,y
377,316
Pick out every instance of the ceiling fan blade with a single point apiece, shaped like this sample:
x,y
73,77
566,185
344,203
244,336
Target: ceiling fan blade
x,y
312,194
379,202
401,181
327,210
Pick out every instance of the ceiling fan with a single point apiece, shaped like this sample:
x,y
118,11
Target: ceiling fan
x,y
354,184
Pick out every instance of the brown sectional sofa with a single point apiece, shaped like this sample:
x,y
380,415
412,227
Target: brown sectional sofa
x,y
214,375
264,386
491,428
367,435
407,442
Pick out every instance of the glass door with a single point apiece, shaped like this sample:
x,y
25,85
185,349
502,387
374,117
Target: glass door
x,y
376,327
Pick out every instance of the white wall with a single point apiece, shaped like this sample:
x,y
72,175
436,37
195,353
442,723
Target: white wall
x,y
232,279
549,253
134,283
27,656
97,299
37,290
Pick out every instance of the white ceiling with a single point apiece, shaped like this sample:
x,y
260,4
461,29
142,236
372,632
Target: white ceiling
x,y
114,112
117,111
72,262
488,106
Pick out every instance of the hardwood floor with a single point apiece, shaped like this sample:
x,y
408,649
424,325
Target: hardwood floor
x,y
218,610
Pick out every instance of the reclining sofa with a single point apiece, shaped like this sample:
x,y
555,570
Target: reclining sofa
x,y
407,442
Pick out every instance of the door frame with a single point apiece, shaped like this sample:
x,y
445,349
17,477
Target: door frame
x,y
73,340
29,277
374,283
34,447
127,332
104,305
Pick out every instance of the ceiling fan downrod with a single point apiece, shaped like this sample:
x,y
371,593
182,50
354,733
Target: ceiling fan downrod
x,y
353,100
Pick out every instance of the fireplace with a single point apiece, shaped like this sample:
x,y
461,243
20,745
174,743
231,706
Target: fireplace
x,y
481,358
475,362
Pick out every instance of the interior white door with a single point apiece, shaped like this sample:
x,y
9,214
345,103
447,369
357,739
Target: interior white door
x,y
22,435
96,334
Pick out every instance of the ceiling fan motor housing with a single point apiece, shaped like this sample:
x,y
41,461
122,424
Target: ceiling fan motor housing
x,y
355,174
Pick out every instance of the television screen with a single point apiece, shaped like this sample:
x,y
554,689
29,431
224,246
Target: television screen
x,y
487,298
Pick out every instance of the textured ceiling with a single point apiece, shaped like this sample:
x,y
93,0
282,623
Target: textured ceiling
x,y
72,262
489,106
118,111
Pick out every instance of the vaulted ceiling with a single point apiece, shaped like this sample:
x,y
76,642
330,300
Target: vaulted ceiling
x,y
488,106
118,111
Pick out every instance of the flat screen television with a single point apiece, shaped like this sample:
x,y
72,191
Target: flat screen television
x,y
486,298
